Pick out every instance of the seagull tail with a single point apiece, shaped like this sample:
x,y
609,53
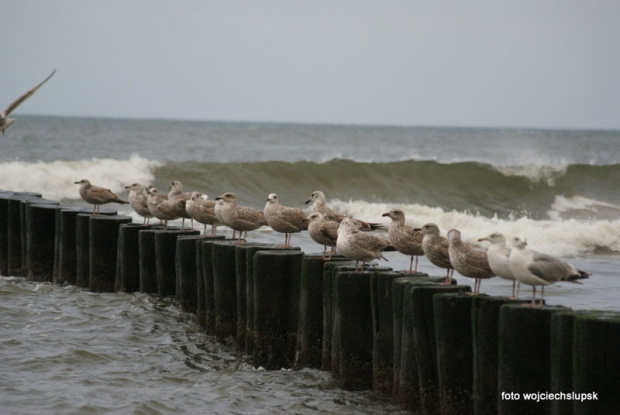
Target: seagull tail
x,y
580,275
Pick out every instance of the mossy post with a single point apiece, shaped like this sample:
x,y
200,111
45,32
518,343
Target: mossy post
x,y
485,336
382,299
423,320
165,259
103,251
64,269
524,360
277,275
224,289
187,282
329,282
147,261
206,250
82,246
352,332
128,258
596,363
244,274
453,334
201,296
309,348
15,226
4,232
41,241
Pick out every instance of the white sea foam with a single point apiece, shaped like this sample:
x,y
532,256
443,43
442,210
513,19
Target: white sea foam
x,y
559,237
536,172
55,180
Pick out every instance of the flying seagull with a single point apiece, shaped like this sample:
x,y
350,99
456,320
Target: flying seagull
x,y
5,121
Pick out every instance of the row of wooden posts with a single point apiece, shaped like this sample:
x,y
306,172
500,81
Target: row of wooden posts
x,y
431,347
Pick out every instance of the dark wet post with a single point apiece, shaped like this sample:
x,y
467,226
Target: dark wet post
x,y
485,336
15,228
201,302
425,340
165,260
276,307
4,232
65,259
40,241
25,214
596,362
128,258
187,282
148,266
562,324
207,260
103,251
244,268
453,333
524,357
382,299
224,289
309,348
82,246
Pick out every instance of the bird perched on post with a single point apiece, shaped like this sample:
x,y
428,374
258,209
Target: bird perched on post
x,y
358,245
97,195
176,201
5,121
239,218
158,208
436,248
469,261
138,200
318,199
202,210
498,255
535,268
323,232
284,219
406,239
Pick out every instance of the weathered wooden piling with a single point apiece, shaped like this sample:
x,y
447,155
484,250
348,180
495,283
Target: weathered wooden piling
x,y
453,334
485,332
4,232
244,273
165,259
224,289
82,246
147,261
16,226
187,281
382,298
128,258
40,241
65,258
562,324
277,275
596,363
352,331
103,251
524,364
309,348
25,214
203,262
424,337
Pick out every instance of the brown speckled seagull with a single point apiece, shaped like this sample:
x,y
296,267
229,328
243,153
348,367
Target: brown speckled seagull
x,y
469,261
97,195
239,218
318,199
406,239
323,232
435,248
284,219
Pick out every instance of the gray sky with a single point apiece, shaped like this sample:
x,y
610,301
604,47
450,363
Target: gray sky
x,y
491,63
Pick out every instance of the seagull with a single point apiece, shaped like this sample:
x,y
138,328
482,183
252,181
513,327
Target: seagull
x,y
177,200
318,199
498,255
406,239
535,268
435,248
283,219
358,245
138,200
469,261
5,121
158,208
239,218
324,232
97,195
202,210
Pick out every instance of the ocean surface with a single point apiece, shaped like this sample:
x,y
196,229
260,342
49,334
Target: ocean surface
x,y
66,350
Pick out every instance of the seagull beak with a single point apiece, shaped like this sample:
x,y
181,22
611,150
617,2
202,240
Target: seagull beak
x,y
308,201
386,214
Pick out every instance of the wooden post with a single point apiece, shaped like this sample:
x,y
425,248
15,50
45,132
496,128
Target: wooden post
x,y
40,241
201,296
165,260
103,251
128,258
